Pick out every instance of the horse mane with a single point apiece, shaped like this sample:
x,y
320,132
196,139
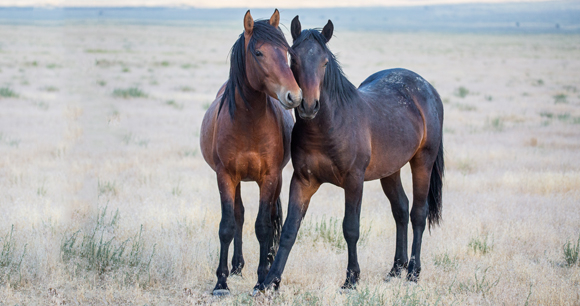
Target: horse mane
x,y
335,84
263,32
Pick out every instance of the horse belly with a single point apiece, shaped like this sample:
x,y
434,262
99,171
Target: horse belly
x,y
391,151
376,170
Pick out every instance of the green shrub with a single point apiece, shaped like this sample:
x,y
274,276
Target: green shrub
x,y
7,92
560,98
132,92
480,245
461,92
99,251
571,252
10,262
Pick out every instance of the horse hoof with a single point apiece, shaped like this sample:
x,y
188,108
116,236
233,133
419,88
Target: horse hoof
x,y
256,292
412,278
221,292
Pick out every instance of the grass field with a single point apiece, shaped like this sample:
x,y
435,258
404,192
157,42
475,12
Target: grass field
x,y
107,200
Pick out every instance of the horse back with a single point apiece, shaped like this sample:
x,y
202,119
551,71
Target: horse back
x,y
406,86
406,114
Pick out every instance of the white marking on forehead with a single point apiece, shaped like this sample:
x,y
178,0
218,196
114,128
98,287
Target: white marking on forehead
x,y
311,51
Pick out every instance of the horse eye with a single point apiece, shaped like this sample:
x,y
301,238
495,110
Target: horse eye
x,y
325,64
258,53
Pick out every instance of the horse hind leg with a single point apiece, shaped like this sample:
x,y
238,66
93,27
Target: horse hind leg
x,y
393,189
421,166
238,258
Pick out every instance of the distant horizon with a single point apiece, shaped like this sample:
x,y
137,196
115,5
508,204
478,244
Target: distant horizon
x,y
213,4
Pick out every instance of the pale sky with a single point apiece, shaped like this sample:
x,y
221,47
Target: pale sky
x,y
246,3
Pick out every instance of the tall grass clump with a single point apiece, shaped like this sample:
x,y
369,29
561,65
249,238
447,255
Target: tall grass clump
x,y
10,261
445,262
99,251
480,245
329,231
481,283
107,187
571,252
365,296
131,92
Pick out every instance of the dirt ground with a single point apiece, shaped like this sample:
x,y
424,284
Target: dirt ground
x,y
107,199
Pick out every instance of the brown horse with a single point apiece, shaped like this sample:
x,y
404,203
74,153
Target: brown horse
x,y
345,136
245,136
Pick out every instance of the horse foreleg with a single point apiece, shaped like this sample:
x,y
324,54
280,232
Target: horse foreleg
x,y
269,194
394,191
300,193
238,258
353,191
227,230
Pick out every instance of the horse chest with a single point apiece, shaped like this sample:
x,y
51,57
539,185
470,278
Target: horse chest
x,y
323,167
248,166
251,158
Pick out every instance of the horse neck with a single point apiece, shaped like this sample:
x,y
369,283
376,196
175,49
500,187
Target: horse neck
x,y
256,100
330,117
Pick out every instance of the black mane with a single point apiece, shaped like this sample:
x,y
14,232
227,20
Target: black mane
x,y
335,84
262,32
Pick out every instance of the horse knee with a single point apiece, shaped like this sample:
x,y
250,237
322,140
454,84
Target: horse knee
x,y
419,218
351,232
401,214
263,228
227,230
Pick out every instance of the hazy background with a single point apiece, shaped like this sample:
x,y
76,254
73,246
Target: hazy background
x,y
235,3
512,17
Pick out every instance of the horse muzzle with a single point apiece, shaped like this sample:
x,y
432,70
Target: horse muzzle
x,y
308,112
290,100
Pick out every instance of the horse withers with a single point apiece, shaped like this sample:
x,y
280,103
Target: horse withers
x,y
245,136
345,136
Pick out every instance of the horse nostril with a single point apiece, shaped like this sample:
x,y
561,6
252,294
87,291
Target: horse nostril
x,y
289,97
301,106
316,105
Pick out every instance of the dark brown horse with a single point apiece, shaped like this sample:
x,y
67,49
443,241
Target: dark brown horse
x,y
345,136
245,136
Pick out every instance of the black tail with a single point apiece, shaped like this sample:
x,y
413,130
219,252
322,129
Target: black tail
x,y
435,186
277,222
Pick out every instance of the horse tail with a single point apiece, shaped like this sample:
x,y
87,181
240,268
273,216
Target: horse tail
x,y
435,186
277,222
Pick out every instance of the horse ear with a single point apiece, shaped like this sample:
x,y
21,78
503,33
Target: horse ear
x,y
248,23
327,30
295,28
275,19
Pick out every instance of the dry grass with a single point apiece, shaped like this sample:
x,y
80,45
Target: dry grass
x,y
107,200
